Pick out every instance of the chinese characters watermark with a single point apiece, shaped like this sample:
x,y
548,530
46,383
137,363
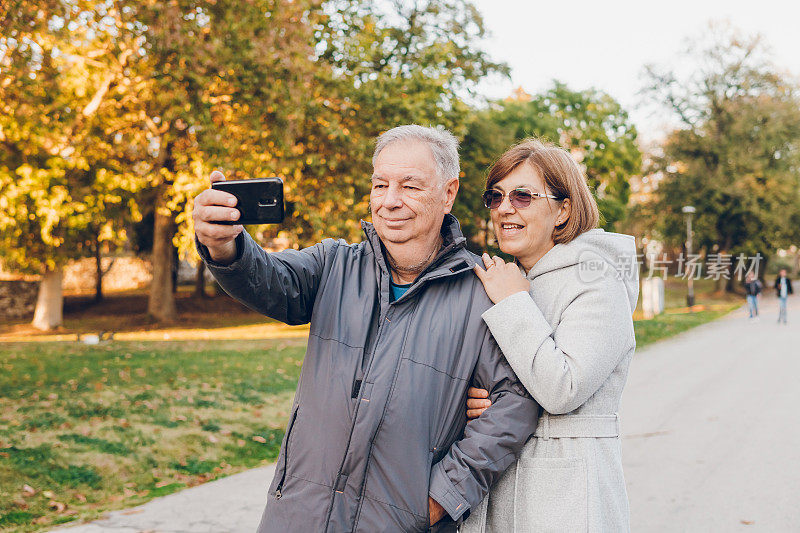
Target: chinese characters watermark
x,y
714,266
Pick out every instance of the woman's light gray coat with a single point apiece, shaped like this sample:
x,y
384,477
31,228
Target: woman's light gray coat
x,y
570,340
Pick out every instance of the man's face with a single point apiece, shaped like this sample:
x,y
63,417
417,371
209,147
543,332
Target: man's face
x,y
408,200
782,273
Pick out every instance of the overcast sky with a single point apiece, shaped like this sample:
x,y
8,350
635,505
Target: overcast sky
x,y
605,44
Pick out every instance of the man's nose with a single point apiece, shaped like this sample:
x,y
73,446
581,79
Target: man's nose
x,y
394,197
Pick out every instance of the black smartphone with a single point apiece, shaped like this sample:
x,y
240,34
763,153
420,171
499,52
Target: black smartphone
x,y
260,200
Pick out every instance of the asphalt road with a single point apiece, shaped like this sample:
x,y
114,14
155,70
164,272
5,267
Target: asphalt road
x,y
711,441
711,430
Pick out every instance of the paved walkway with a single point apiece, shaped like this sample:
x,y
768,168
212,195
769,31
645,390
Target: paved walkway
x,y
710,441
231,505
711,431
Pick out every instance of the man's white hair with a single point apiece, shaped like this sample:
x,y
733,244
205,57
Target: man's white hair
x,y
442,143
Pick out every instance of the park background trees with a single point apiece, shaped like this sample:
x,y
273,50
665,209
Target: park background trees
x,y
735,153
171,90
591,125
114,112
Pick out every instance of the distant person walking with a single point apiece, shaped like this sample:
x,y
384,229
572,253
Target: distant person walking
x,y
783,286
752,288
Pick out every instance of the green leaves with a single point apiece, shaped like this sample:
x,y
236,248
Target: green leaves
x,y
736,154
589,123
110,109
63,175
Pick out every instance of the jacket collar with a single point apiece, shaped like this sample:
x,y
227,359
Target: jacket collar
x,y
453,258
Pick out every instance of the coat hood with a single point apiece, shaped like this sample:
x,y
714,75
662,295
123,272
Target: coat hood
x,y
593,253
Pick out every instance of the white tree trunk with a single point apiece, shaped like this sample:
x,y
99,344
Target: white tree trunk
x,y
50,303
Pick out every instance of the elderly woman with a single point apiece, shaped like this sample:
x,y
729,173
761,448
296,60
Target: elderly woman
x,y
563,318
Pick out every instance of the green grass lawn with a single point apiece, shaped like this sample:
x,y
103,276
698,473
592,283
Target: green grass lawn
x,y
667,325
85,429
710,305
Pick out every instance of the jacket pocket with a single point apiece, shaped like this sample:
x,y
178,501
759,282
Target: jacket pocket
x,y
284,463
551,495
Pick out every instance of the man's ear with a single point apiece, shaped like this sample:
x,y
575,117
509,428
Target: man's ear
x,y
564,213
450,191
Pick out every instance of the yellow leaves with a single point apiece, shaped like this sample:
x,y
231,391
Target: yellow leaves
x,y
25,171
220,98
107,232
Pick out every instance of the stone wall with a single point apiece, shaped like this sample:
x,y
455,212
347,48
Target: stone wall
x,y
17,298
125,273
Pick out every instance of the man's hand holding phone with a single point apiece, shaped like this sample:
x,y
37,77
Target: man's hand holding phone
x,y
210,208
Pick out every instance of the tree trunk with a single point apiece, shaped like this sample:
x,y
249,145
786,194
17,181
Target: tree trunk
x,y
98,268
50,302
200,281
721,284
730,283
175,266
161,301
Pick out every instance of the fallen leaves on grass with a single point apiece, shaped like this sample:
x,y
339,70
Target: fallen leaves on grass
x,y
28,491
20,504
58,507
259,438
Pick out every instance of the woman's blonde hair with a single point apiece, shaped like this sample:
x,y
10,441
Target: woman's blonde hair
x,y
563,178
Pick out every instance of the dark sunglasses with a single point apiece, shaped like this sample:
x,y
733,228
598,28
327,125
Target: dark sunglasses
x,y
519,198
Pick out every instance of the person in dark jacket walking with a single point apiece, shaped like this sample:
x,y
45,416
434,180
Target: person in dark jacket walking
x,y
377,438
783,288
752,288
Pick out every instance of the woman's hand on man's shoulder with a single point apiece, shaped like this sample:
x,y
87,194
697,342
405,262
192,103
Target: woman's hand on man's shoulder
x,y
500,279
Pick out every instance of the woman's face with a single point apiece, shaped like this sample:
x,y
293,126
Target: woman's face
x,y
527,233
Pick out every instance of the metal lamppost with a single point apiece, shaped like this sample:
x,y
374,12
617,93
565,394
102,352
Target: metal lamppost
x,y
689,210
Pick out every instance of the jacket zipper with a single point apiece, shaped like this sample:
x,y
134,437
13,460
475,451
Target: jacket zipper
x,y
278,490
380,423
382,319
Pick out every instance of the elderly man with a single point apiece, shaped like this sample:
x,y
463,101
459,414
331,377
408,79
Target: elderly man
x,y
377,438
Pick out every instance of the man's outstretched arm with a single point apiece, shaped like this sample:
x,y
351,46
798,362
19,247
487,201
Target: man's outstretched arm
x,y
282,285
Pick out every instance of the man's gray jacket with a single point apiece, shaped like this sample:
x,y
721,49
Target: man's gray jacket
x,y
378,421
